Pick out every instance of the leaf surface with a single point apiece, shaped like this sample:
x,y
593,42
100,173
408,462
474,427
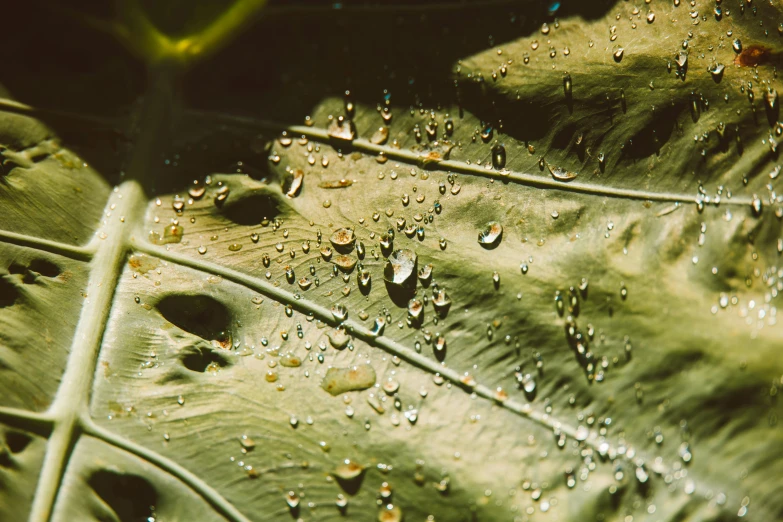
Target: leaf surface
x,y
228,334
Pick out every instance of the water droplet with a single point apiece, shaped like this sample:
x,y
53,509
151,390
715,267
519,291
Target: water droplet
x,y
771,99
685,452
425,274
441,302
341,130
295,183
400,268
717,71
618,54
292,499
499,156
290,360
756,205
390,386
682,60
348,470
197,189
340,312
338,338
380,136
491,235
343,240
221,195
439,348
378,326
737,46
341,380
561,174
344,263
390,513
415,308
486,133
570,478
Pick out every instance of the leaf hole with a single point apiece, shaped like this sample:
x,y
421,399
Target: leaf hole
x,y
201,359
250,210
17,441
8,293
132,498
199,315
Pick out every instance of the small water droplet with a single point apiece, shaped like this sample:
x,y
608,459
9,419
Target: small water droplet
x,y
499,156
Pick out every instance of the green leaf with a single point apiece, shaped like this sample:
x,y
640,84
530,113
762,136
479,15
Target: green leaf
x,y
245,327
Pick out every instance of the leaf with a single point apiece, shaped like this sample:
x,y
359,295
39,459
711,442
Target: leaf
x,y
226,333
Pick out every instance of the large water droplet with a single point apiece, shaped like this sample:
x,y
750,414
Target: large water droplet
x,y
561,174
343,240
341,380
491,235
400,268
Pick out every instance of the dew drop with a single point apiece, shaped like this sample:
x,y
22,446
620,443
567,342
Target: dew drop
x,y
491,235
